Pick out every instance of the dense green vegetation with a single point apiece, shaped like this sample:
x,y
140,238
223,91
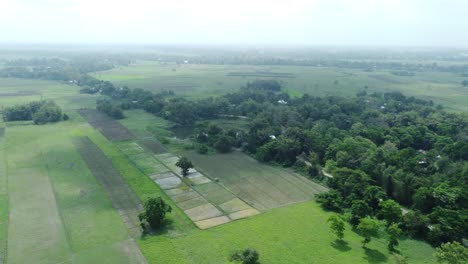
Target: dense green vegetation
x,y
40,112
377,146
379,150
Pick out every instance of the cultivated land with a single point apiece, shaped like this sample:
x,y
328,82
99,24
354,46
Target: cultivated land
x,y
262,186
208,80
60,209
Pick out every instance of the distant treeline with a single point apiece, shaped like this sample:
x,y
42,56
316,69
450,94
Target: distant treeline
x,y
40,112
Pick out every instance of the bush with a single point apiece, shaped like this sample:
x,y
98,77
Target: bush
x,y
202,149
247,256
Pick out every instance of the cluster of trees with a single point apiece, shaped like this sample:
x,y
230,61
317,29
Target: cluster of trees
x,y
218,138
380,148
73,69
40,112
110,108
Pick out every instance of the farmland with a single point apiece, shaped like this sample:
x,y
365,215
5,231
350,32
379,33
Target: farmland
x,y
211,80
74,221
262,186
70,191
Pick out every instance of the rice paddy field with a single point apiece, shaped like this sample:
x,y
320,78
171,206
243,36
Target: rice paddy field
x,y
211,80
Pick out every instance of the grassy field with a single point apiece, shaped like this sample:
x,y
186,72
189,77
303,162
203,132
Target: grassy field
x,y
294,234
17,91
58,211
212,80
3,198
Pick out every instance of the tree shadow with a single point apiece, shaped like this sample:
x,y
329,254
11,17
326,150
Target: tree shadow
x,y
167,225
340,245
375,256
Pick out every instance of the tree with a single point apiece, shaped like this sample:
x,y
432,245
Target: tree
x,y
223,144
393,232
330,200
246,256
373,195
48,112
390,211
155,212
368,228
359,210
452,253
337,225
184,164
415,224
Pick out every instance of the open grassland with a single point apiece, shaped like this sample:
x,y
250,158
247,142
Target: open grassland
x,y
58,211
18,91
294,234
211,80
262,186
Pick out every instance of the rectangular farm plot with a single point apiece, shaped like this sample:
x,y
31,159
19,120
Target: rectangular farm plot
x,y
122,197
261,186
194,176
110,128
36,231
153,145
203,212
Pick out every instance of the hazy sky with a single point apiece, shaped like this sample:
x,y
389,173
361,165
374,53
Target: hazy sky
x,y
305,22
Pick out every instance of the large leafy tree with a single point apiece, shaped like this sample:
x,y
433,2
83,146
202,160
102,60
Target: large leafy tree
x,y
390,211
155,212
452,253
368,228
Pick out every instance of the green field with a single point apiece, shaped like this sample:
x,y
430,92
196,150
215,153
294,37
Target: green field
x,y
58,211
294,234
17,91
54,210
211,80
